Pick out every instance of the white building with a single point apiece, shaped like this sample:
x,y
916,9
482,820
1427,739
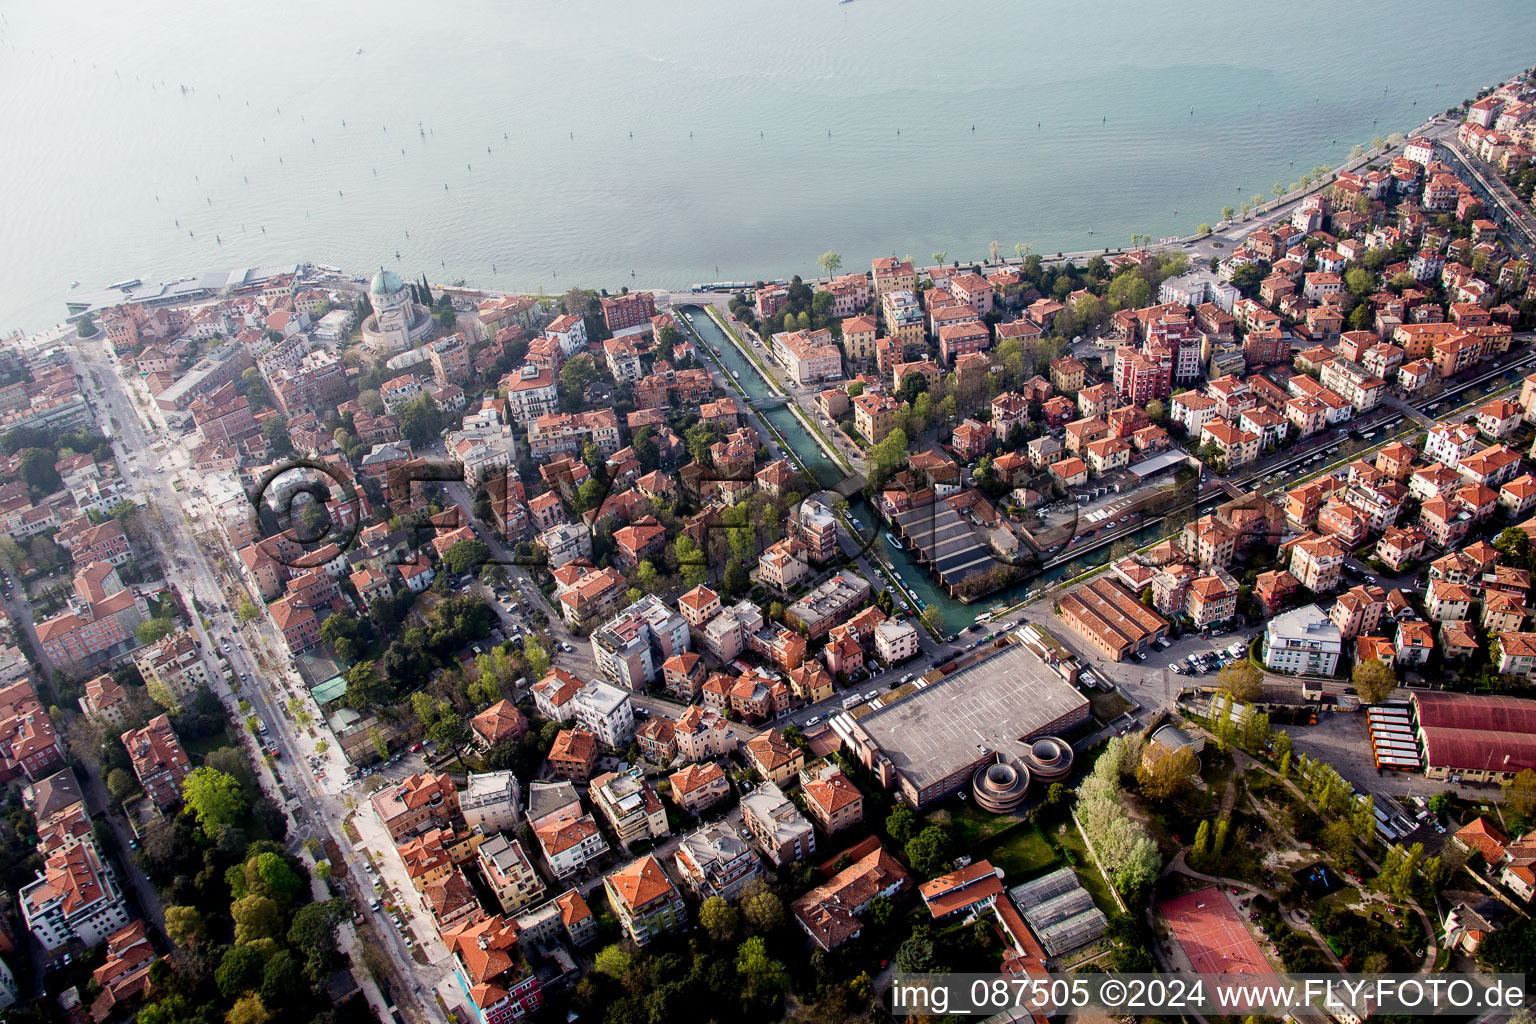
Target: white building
x,y
9,993
630,648
606,712
895,641
491,802
714,862
74,898
632,808
565,542
482,450
1303,641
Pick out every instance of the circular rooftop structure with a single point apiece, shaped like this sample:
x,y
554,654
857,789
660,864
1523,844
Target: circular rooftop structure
x,y
386,282
1000,787
1050,758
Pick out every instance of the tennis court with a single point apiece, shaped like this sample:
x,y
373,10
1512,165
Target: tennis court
x,y
1212,935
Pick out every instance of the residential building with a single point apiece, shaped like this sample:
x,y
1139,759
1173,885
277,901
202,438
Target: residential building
x,y
1302,641
491,802
630,805
645,900
832,801
158,760
505,866
830,913
415,804
972,889
773,757
573,755
714,861
696,787
74,898
779,828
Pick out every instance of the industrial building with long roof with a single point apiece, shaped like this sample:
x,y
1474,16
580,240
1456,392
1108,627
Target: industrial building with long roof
x,y
1476,737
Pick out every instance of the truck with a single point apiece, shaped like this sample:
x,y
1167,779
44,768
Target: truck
x,y
261,727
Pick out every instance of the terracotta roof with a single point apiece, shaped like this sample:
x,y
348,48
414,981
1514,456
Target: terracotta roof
x,y
641,882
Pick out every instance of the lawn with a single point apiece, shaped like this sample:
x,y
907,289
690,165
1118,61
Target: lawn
x,y
1108,706
1058,828
969,825
1022,854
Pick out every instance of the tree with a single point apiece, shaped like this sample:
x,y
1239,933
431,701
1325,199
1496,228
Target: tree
x,y
536,657
1339,840
269,874
830,262
1520,793
366,687
256,917
761,908
282,982
465,556
183,926
370,402
420,420
153,630
313,933
247,1010
1374,680
928,851
1169,775
1227,213
612,961
240,971
901,824
1202,847
1243,680
718,919
248,612
214,797
939,258
121,783
763,979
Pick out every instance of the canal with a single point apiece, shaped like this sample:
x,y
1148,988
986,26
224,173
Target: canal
x,y
829,473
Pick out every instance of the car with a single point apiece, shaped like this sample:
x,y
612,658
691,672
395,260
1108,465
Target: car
x,y
415,747
1175,668
813,720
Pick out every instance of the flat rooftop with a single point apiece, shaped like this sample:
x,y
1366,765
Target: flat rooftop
x,y
997,703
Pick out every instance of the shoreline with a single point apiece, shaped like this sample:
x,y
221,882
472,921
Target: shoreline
x,y
1218,228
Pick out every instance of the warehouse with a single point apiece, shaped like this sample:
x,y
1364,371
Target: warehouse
x,y
1467,737
1109,617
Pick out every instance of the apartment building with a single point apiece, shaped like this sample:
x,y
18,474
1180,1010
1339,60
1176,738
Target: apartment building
x,y
777,825
645,900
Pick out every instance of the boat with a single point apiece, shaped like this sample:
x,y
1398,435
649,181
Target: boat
x,y
359,49
74,284
717,349
736,375
891,538
689,316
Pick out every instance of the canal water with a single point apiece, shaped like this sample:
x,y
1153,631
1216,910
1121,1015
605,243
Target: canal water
x,y
828,473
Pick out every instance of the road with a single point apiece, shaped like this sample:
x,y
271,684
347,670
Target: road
x,y
256,654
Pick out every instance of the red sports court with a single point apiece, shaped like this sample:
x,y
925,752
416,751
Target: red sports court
x,y
1212,935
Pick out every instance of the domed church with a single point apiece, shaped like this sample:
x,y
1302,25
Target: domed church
x,y
397,322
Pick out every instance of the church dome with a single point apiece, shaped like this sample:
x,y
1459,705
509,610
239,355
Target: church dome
x,y
386,282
